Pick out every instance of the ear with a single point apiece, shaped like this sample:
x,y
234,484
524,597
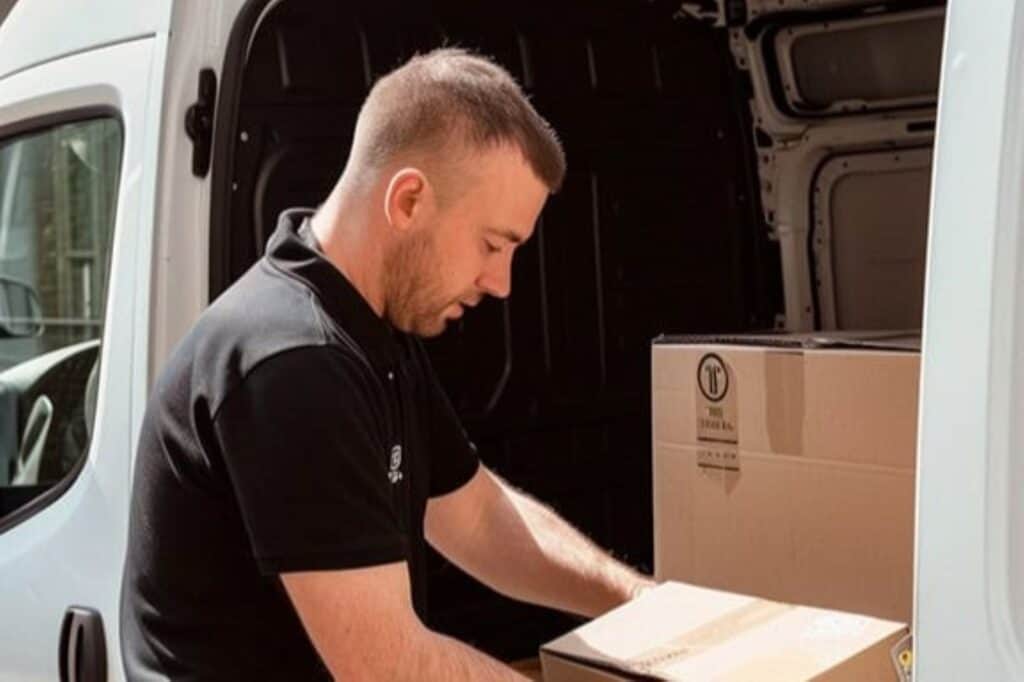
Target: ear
x,y
407,194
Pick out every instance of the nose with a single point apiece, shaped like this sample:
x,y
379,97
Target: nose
x,y
496,278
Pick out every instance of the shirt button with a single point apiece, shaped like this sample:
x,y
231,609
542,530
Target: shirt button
x,y
391,376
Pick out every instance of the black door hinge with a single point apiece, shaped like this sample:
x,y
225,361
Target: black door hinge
x,y
199,122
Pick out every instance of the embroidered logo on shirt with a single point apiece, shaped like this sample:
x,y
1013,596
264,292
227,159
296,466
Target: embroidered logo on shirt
x,y
395,471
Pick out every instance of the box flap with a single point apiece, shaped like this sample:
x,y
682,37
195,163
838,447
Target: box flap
x,y
893,340
678,631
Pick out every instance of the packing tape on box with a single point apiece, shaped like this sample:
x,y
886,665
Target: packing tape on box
x,y
783,401
707,636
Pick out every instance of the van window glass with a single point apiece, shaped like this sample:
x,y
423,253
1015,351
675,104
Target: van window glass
x,y
58,195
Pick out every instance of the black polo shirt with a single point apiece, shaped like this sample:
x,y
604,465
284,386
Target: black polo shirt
x,y
292,430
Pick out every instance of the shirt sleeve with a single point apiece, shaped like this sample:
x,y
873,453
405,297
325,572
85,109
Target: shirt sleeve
x,y
304,449
453,456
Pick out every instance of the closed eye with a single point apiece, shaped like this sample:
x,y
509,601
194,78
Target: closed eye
x,y
496,239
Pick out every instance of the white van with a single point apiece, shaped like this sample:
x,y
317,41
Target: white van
x,y
735,165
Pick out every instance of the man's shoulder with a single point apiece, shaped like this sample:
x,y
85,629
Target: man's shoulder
x,y
303,376
264,308
262,317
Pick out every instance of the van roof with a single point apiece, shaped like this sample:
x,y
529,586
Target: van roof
x,y
72,26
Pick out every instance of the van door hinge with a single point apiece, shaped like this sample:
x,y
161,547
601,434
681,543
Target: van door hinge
x,y
199,122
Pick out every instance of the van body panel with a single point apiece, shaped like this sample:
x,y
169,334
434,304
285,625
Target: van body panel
x,y
173,267
71,26
967,614
70,552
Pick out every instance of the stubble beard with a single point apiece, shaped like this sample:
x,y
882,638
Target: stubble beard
x,y
414,302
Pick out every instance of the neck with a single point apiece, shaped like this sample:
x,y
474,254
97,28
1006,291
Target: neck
x,y
344,229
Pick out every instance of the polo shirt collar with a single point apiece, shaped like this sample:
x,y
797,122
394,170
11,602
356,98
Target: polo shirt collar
x,y
291,250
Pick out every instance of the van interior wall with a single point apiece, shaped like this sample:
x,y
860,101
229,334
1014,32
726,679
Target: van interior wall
x,y
656,230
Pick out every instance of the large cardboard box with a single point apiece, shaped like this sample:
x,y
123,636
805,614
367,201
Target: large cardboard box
x,y
682,632
784,467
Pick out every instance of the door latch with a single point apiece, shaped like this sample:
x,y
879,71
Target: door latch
x,y
199,122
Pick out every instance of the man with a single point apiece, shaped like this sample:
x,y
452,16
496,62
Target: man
x,y
298,452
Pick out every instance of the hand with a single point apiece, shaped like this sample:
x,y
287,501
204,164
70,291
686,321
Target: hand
x,y
642,584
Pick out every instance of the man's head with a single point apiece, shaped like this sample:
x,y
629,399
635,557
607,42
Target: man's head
x,y
456,165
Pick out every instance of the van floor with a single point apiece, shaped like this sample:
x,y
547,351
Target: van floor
x,y
657,230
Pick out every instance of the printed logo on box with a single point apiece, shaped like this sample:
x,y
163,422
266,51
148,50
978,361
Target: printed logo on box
x,y
725,459
717,415
713,377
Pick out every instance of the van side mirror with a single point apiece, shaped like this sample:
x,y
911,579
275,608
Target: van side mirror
x,y
20,313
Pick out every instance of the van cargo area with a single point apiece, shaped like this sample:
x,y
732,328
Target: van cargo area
x,y
733,167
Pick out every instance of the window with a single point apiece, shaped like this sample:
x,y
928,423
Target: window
x,y
58,194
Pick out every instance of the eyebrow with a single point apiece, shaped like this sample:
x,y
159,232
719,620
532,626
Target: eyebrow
x,y
507,233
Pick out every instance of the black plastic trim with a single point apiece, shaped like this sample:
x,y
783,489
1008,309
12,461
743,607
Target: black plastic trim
x,y
199,122
223,150
82,650
39,123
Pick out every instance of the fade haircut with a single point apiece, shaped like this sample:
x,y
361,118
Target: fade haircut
x,y
447,101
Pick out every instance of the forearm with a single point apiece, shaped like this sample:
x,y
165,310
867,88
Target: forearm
x,y
362,624
530,553
433,656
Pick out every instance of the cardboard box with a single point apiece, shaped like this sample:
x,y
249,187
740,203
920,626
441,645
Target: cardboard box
x,y
784,467
529,668
682,632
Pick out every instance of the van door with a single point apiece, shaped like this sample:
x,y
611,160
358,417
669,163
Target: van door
x,y
969,595
78,142
843,103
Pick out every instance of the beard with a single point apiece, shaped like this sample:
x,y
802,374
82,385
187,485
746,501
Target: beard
x,y
414,300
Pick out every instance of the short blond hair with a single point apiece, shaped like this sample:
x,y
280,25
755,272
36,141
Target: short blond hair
x,y
449,97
